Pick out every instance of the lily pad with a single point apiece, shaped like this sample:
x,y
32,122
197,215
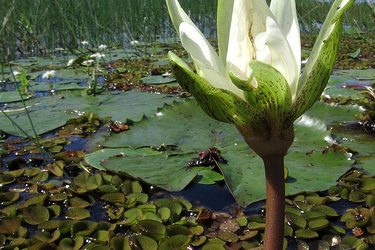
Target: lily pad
x,y
65,105
36,214
12,96
145,163
307,164
157,80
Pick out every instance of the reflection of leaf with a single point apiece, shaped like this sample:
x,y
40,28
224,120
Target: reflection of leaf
x,y
355,54
193,130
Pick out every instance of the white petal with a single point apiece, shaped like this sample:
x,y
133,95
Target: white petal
x,y
282,57
240,48
224,17
206,60
177,14
289,25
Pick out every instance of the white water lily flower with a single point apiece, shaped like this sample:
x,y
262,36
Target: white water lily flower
x,y
49,74
97,56
134,43
102,47
256,78
71,61
89,62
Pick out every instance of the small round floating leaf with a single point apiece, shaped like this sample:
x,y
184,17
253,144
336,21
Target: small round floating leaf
x,y
38,199
370,200
306,234
77,213
288,230
50,225
83,228
78,202
3,238
296,221
367,184
177,229
31,172
9,226
102,236
55,210
337,229
197,230
174,206
6,179
138,197
318,224
153,229
35,214
8,198
66,243
113,197
213,246
316,200
357,196
42,176
147,208
175,242
164,213
157,80
330,212
146,242
253,225
199,241
58,197
151,216
248,234
227,236
311,215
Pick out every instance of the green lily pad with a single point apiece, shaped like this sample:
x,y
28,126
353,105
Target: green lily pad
x,y
6,179
145,164
157,80
77,213
175,242
35,214
307,164
152,228
134,106
12,96
8,198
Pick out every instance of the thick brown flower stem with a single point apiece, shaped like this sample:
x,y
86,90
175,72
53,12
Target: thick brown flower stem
x,y
272,149
275,203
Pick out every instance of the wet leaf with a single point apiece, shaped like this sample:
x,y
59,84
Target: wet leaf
x,y
318,224
8,198
77,213
9,226
306,234
6,179
175,242
35,214
153,229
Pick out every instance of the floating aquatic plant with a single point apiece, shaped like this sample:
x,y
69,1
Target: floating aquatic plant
x,y
255,82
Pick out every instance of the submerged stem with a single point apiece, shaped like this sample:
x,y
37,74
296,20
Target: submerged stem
x,y
275,202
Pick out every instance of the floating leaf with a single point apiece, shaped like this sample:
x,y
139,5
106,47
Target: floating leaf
x,y
306,234
175,242
35,214
77,213
157,80
151,228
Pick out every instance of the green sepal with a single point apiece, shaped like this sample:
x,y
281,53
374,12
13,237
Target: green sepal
x,y
319,66
220,104
245,85
272,98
